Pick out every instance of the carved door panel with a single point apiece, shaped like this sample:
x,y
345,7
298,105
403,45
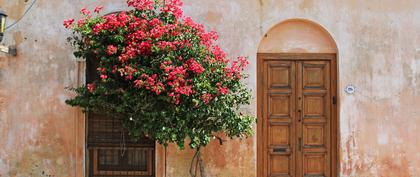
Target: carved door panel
x,y
314,109
280,92
296,118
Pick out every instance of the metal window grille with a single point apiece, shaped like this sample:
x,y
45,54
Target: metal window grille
x,y
111,151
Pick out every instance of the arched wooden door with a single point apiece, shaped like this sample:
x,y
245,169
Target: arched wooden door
x,y
297,122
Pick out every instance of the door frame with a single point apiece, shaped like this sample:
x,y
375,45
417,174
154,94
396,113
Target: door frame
x,y
261,57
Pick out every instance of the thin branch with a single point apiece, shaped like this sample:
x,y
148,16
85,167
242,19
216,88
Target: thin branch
x,y
200,161
197,153
221,140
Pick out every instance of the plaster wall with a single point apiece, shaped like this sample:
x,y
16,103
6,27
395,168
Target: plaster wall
x,y
378,44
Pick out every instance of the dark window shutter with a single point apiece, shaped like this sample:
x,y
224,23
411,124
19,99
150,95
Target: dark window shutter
x,y
111,151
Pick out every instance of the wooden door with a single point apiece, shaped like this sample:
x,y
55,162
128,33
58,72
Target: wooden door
x,y
297,125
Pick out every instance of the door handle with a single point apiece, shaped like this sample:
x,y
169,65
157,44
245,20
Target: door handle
x,y
300,115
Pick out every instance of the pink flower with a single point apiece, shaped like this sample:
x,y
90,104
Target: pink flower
x,y
240,64
166,45
68,23
104,76
146,47
141,4
122,18
173,7
158,32
98,9
91,87
219,54
189,22
155,22
167,66
194,66
206,98
111,50
139,83
223,90
97,28
243,62
80,23
85,12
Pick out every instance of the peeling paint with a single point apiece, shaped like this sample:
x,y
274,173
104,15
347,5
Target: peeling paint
x,y
378,48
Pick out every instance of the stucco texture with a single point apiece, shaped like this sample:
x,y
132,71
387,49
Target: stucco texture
x,y
378,45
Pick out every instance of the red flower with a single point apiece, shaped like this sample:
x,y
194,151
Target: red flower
x,y
104,76
219,54
139,83
98,9
223,90
97,28
111,50
198,27
243,61
141,4
173,7
68,23
122,18
158,32
155,22
91,87
146,47
80,23
85,12
194,66
206,98
178,51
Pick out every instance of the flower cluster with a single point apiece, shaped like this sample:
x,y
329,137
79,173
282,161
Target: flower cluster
x,y
141,4
162,70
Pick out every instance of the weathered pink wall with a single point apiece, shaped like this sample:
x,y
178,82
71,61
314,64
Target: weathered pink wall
x,y
379,52
297,36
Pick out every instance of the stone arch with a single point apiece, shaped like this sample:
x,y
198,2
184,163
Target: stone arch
x,y
297,36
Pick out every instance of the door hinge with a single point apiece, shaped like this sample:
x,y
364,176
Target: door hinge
x,y
334,99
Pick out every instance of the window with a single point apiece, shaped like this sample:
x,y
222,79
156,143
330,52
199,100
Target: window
x,y
111,152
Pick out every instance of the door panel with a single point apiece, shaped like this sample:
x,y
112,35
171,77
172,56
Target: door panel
x,y
280,105
296,118
280,91
316,104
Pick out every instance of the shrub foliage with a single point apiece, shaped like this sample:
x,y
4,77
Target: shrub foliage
x,y
162,73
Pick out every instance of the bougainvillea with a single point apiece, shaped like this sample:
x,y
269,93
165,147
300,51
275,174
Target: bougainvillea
x,y
162,73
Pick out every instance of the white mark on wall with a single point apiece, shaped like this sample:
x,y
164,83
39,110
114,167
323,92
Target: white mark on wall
x,y
382,135
413,67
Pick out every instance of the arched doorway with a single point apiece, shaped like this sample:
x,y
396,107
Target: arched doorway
x,y
297,101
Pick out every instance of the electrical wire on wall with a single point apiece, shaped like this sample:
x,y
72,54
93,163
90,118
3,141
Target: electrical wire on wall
x,y
24,14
